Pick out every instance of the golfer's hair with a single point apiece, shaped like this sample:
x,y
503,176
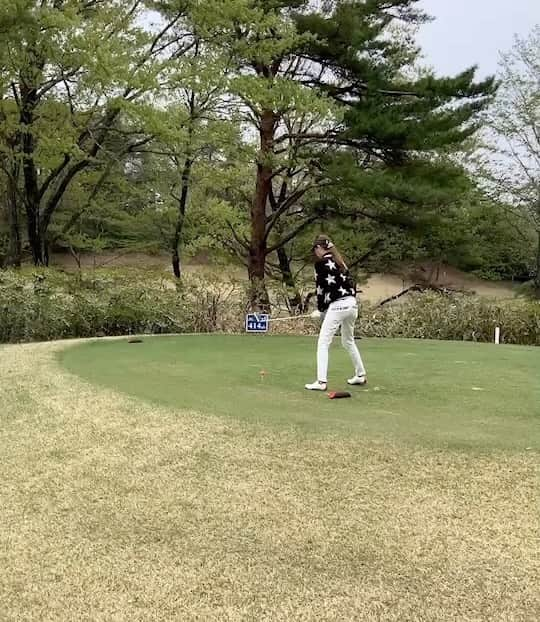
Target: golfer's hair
x,y
325,242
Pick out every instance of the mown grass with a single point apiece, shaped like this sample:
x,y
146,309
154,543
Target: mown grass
x,y
440,393
120,508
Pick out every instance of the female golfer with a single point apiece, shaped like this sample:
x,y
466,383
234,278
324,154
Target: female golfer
x,y
336,302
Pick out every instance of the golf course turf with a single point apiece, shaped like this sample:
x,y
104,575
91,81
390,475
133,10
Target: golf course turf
x,y
169,480
438,393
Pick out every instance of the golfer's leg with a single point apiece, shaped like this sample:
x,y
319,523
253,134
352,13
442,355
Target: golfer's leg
x,y
349,343
328,330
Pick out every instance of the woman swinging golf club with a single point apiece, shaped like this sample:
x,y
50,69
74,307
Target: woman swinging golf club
x,y
336,302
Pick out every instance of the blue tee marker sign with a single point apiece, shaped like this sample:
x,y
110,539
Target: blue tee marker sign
x,y
257,322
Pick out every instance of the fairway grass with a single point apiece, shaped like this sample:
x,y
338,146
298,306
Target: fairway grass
x,y
459,395
150,482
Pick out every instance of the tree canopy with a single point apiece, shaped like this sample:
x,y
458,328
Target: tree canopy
x,y
244,126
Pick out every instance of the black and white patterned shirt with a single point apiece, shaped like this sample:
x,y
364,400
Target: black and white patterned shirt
x,y
332,282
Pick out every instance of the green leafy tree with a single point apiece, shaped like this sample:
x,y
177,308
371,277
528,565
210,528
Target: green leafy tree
x,y
330,88
399,123
78,72
261,39
195,130
510,159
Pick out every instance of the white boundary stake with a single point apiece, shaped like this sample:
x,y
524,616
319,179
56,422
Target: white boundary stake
x,y
497,335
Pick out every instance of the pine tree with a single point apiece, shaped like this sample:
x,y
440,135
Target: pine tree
x,y
331,98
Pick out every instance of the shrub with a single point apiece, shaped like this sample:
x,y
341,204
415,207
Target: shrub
x,y
458,317
41,306
437,316
45,305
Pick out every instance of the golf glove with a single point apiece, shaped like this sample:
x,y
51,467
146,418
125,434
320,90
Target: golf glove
x,y
316,315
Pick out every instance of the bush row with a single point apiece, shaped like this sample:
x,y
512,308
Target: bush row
x,y
456,318
438,316
48,305
41,306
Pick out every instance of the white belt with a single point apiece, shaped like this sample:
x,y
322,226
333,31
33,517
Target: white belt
x,y
344,304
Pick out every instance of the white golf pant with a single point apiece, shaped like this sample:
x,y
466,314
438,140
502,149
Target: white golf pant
x,y
342,313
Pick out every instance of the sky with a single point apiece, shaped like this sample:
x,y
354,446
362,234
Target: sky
x,y
473,32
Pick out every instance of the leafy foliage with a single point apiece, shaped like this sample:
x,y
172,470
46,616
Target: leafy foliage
x,y
240,128
46,305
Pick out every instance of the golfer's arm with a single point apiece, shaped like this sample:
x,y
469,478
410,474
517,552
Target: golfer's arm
x,y
320,282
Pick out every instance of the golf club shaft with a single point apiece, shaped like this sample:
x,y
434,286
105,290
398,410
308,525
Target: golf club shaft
x,y
291,317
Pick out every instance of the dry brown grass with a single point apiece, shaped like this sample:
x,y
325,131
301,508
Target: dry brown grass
x,y
116,510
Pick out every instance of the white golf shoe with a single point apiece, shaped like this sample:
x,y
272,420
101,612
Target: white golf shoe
x,y
316,386
357,380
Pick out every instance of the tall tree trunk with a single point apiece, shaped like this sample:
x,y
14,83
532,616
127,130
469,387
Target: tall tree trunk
x,y
537,275
536,281
258,244
185,183
34,233
293,295
177,269
182,204
32,197
14,254
14,257
294,299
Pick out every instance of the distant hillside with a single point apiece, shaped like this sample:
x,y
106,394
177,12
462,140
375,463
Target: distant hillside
x,y
378,287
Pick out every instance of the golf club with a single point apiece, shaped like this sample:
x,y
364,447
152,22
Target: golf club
x,y
290,317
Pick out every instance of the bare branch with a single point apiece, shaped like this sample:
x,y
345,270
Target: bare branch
x,y
367,254
242,242
292,234
281,208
